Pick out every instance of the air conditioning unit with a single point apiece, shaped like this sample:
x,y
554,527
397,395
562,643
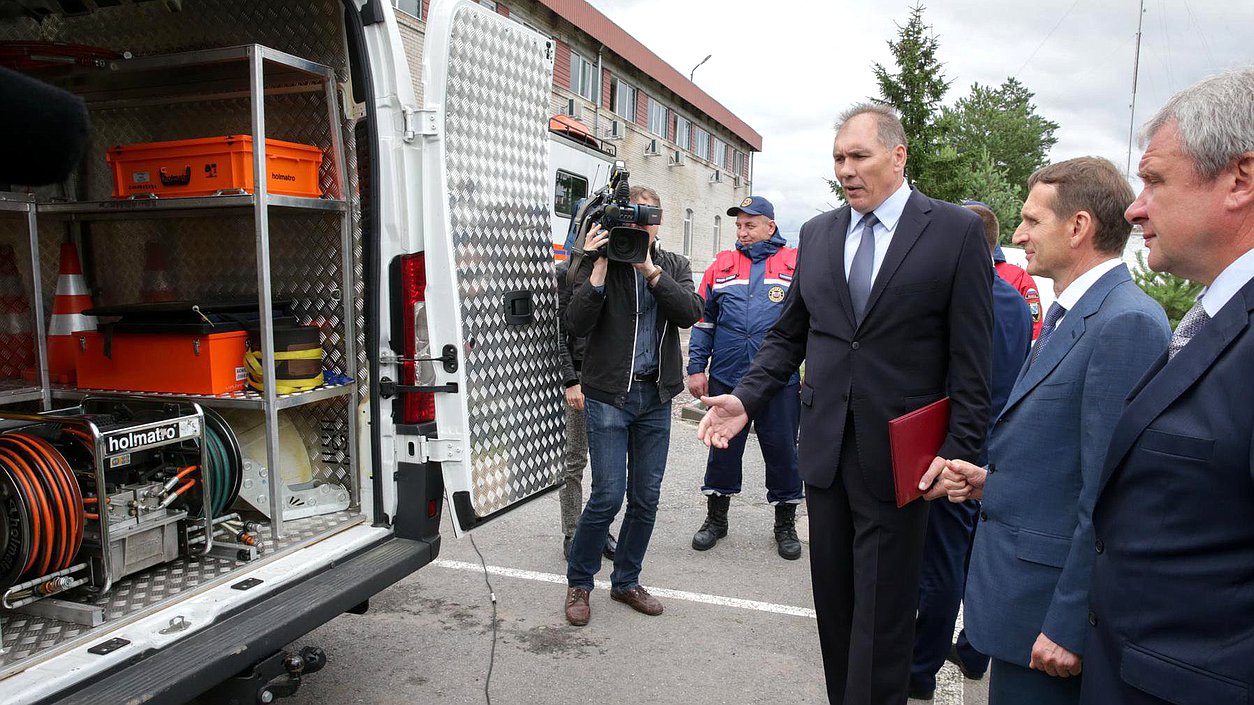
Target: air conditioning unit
x,y
652,149
616,130
736,180
676,158
716,177
573,108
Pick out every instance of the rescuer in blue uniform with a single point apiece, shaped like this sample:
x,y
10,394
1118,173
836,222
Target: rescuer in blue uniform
x,y
744,291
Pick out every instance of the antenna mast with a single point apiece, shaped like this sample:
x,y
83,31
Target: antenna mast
x,y
1136,70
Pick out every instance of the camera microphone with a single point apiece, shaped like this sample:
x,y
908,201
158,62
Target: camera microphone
x,y
45,131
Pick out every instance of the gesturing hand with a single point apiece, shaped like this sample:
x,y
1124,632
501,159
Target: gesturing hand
x,y
723,421
931,488
698,384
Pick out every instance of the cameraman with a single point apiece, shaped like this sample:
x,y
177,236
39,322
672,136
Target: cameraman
x,y
631,315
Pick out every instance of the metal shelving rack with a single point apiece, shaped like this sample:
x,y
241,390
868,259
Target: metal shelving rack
x,y
251,71
19,205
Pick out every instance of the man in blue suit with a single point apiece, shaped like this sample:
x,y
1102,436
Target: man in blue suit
x,y
1172,596
951,526
1027,588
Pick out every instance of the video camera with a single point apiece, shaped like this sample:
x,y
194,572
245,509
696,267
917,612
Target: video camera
x,y
612,208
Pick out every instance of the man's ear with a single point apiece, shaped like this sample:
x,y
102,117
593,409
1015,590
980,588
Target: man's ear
x,y
1083,226
1242,194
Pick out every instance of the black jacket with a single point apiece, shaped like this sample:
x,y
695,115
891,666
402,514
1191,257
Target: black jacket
x,y
608,322
571,346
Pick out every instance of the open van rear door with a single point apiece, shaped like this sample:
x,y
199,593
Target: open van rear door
x,y
490,291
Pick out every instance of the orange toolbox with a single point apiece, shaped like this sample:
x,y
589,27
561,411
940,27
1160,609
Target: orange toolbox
x,y
203,167
175,363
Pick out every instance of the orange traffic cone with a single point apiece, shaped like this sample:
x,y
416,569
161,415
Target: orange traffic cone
x,y
17,340
67,316
156,286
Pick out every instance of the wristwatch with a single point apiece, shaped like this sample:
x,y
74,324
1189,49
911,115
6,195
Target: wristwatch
x,y
653,276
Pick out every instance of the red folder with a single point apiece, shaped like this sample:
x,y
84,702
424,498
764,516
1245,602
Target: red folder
x,y
914,440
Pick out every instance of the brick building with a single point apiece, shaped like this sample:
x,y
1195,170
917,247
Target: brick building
x,y
672,134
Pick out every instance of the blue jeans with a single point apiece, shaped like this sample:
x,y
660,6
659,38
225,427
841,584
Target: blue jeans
x,y
776,426
627,449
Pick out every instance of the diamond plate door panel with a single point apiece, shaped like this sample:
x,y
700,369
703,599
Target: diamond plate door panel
x,y
496,158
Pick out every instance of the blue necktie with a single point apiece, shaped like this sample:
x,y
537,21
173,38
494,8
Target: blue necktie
x,y
861,268
1054,313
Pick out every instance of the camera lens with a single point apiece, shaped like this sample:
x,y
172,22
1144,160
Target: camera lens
x,y
630,245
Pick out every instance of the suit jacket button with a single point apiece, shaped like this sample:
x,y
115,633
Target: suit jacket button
x,y
855,345
1099,546
992,468
1092,618
844,397
983,516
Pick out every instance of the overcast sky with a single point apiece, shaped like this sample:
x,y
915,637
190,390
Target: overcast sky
x,y
788,67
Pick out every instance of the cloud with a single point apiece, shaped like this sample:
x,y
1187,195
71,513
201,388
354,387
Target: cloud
x,y
789,70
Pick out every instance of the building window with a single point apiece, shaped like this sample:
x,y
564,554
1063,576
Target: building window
x,y
583,77
718,234
490,4
657,118
718,152
700,142
409,7
683,132
623,98
738,162
569,189
688,233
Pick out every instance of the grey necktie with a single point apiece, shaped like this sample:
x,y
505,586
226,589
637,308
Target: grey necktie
x,y
862,267
1190,325
1054,313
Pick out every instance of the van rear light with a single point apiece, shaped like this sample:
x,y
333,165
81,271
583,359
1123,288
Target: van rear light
x,y
417,407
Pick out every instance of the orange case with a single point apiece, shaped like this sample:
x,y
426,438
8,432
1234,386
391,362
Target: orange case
x,y
202,167
179,363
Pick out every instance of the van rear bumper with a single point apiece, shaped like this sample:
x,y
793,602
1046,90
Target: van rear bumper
x,y
185,669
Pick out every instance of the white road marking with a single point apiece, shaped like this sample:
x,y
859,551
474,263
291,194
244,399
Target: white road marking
x,y
656,591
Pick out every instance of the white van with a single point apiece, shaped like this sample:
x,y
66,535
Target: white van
x,y
426,264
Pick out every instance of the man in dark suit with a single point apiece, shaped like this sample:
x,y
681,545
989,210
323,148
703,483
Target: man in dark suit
x,y
891,310
1027,589
1172,593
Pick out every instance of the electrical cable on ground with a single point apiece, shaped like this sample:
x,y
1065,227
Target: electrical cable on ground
x,y
487,683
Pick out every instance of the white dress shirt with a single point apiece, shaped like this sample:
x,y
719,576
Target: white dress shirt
x,y
1076,289
889,214
1227,284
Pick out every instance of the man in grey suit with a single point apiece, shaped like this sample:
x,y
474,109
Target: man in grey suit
x,y
891,309
1027,586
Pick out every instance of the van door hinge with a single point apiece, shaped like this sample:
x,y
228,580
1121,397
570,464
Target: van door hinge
x,y
420,122
439,450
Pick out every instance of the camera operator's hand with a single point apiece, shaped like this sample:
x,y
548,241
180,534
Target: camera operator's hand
x,y
595,240
646,267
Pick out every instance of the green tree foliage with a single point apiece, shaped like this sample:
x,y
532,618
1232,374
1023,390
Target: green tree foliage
x,y
1003,121
988,184
916,90
1177,295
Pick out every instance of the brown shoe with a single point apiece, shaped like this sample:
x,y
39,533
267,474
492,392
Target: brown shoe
x,y
640,600
577,610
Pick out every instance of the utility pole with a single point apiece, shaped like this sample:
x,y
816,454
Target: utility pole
x,y
1136,69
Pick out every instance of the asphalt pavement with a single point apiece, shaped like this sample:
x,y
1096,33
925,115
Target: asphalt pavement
x,y
738,627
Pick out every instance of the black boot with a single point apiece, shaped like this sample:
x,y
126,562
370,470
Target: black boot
x,y
715,526
786,531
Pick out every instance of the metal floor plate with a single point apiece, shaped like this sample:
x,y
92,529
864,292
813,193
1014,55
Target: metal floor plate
x,y
26,637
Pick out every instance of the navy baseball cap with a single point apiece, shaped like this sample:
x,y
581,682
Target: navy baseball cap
x,y
753,205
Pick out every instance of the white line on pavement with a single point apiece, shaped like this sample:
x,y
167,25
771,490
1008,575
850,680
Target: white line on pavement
x,y
659,592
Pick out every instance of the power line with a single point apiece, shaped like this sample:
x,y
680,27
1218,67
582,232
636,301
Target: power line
x,y
1046,39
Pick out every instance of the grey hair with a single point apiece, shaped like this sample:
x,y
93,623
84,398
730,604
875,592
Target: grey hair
x,y
887,120
1215,120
